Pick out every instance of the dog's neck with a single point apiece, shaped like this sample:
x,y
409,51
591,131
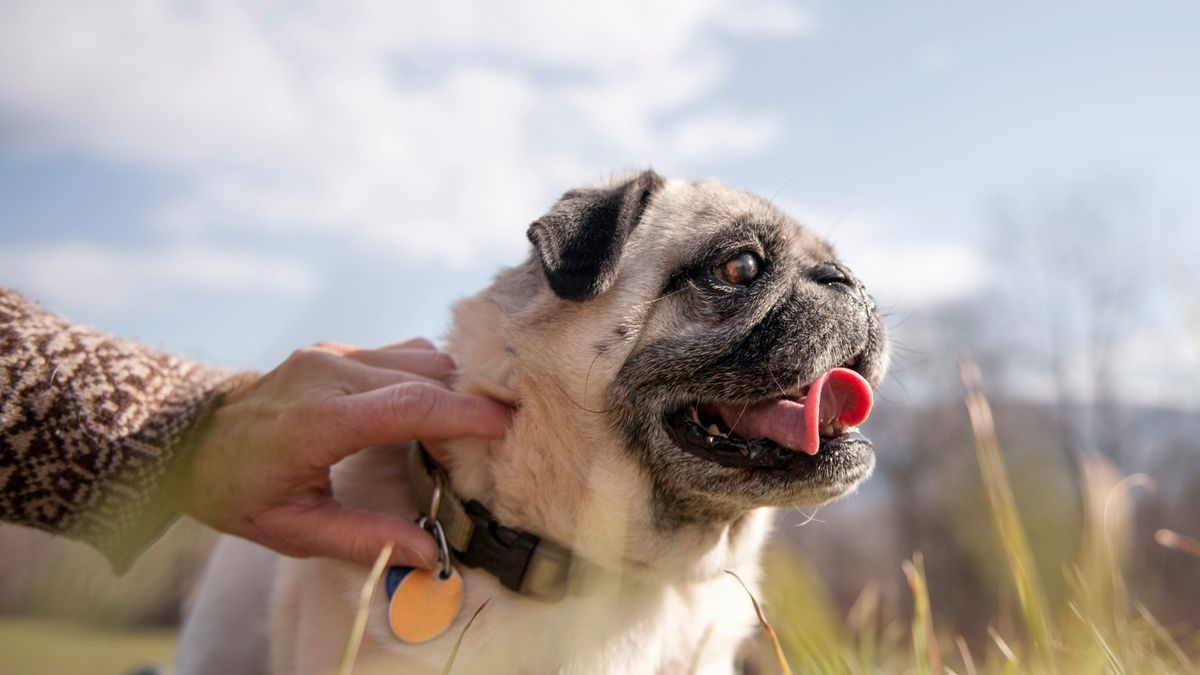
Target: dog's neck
x,y
552,474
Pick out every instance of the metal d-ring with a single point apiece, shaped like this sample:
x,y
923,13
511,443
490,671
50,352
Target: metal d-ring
x,y
432,526
430,523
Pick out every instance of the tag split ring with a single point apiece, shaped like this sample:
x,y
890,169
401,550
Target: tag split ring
x,y
433,527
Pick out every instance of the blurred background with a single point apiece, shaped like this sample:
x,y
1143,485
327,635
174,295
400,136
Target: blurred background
x,y
1016,183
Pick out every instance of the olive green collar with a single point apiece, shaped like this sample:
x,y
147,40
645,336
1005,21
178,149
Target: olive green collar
x,y
523,562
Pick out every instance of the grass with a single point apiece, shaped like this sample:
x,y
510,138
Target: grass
x,y
924,639
449,665
30,646
350,649
766,626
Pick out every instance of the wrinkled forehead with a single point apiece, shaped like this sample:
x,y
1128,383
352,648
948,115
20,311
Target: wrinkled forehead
x,y
687,221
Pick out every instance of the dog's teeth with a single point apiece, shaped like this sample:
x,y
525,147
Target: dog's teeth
x,y
712,429
695,416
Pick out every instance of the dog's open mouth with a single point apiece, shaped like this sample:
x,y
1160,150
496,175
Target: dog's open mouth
x,y
777,433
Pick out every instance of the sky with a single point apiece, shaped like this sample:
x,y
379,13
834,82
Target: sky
x,y
234,180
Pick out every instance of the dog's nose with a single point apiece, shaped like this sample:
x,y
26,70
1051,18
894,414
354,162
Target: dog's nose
x,y
839,276
833,274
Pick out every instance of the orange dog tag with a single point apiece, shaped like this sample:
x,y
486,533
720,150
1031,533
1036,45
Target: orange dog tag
x,y
422,604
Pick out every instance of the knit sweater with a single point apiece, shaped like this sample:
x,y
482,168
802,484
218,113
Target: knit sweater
x,y
94,430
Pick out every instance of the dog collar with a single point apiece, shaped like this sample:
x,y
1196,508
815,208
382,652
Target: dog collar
x,y
523,562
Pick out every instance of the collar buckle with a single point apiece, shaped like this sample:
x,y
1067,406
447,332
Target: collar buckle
x,y
523,562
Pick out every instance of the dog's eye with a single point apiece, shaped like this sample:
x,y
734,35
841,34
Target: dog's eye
x,y
739,270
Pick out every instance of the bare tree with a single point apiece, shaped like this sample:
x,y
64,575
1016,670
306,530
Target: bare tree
x,y
1077,282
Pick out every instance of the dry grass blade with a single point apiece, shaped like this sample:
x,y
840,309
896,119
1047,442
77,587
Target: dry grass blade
x,y
965,652
1164,637
350,651
1007,519
1114,662
1003,646
762,620
1178,542
463,633
925,649
1118,502
863,620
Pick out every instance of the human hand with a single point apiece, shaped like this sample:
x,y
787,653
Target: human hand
x,y
260,469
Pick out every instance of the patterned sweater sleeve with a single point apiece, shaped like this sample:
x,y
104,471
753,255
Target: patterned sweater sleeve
x,y
94,429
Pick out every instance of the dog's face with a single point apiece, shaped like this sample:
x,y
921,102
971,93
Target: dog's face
x,y
714,312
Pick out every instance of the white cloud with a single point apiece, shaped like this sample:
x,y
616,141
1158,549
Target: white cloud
x,y
424,126
722,133
919,274
107,278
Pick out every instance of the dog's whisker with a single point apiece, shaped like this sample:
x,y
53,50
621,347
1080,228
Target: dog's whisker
x,y
588,377
643,311
782,391
898,381
775,194
808,517
740,415
690,284
836,226
577,404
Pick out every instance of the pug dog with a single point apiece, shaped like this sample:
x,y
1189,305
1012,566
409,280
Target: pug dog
x,y
681,356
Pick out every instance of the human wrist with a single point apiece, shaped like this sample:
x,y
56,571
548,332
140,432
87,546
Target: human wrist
x,y
167,496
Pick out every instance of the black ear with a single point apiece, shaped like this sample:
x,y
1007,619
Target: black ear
x,y
580,240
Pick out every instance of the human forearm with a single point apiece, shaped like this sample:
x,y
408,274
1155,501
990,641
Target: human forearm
x,y
91,428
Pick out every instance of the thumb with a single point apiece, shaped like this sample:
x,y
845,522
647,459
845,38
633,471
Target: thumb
x,y
335,531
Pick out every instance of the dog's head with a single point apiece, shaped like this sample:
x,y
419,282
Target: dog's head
x,y
677,328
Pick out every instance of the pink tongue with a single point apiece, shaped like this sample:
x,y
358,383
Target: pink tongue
x,y
840,396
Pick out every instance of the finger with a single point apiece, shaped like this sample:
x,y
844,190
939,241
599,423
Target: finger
x,y
362,377
432,364
335,531
338,348
415,343
413,410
